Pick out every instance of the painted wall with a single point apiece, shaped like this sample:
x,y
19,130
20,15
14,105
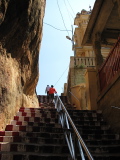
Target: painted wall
x,y
106,102
78,96
91,89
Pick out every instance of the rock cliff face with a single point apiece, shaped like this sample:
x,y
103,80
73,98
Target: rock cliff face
x,y
21,24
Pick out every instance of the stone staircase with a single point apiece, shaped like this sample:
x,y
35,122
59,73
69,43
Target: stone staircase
x,y
102,143
34,133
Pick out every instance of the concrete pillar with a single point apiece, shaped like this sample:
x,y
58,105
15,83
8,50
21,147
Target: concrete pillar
x,y
98,56
87,54
91,88
71,62
97,50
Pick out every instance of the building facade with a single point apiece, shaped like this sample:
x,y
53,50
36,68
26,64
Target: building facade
x,y
82,68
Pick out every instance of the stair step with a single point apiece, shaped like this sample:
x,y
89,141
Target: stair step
x,y
38,140
101,127
26,123
90,123
94,119
35,133
30,147
30,156
94,131
9,133
102,142
105,156
104,148
32,134
33,114
85,111
40,111
35,119
33,128
100,136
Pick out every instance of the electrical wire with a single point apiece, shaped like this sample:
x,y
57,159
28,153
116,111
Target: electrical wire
x,y
68,12
61,30
55,27
62,17
61,75
71,7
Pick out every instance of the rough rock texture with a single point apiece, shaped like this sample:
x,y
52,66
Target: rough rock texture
x,y
21,24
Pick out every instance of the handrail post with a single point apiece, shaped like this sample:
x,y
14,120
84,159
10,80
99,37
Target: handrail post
x,y
81,143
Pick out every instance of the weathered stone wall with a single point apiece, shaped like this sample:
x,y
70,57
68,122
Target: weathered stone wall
x,y
21,24
77,76
106,101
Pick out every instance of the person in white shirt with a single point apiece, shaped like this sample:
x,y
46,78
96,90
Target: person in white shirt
x,y
47,90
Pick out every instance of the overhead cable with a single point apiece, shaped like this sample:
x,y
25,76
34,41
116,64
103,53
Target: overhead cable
x,y
56,28
71,7
62,17
68,12
61,75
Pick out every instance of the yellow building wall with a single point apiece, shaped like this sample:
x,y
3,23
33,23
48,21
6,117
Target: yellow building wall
x,y
91,89
79,74
78,96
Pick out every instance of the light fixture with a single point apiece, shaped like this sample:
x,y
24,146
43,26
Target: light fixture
x,y
68,38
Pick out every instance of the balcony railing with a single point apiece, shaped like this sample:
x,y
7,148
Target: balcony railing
x,y
85,61
110,67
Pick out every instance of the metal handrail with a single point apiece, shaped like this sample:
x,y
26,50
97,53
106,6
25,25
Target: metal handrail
x,y
74,96
64,119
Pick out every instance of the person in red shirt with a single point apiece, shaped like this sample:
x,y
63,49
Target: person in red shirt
x,y
52,90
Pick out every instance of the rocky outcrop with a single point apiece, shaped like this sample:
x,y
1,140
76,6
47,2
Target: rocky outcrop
x,y
21,24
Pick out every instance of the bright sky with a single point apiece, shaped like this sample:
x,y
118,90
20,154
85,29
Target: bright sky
x,y
55,49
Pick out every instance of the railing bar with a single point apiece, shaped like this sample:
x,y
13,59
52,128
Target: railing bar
x,y
67,121
74,96
111,52
61,120
111,66
70,141
77,133
113,62
81,151
118,57
73,156
56,103
109,72
72,146
87,61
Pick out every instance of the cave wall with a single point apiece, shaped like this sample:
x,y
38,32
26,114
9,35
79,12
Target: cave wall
x,y
21,23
